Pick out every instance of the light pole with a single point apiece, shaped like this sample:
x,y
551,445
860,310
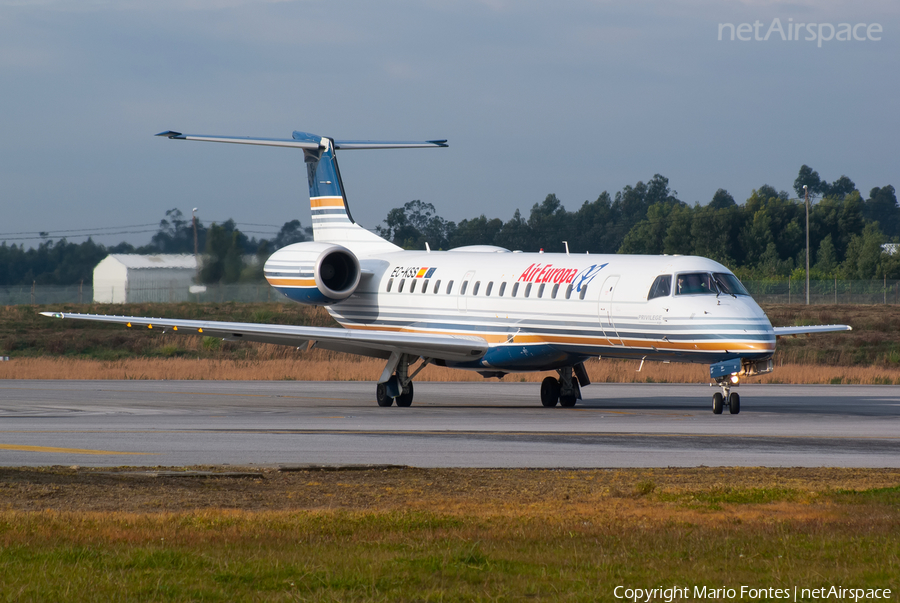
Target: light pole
x,y
806,195
196,250
194,222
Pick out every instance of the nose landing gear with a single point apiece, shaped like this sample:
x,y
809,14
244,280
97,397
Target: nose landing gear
x,y
727,397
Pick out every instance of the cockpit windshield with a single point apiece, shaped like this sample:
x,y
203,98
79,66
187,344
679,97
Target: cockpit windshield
x,y
695,283
704,283
729,284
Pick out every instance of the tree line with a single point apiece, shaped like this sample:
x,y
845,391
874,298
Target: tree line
x,y
762,238
225,249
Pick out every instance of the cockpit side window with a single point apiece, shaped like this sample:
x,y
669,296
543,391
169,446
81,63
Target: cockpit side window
x,y
729,284
695,283
662,287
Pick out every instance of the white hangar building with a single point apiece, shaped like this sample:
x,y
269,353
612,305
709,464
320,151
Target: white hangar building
x,y
126,278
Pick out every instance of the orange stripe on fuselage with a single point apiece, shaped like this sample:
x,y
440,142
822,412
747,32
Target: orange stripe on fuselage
x,y
292,282
718,346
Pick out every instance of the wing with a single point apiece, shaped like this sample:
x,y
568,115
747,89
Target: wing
x,y
794,331
380,344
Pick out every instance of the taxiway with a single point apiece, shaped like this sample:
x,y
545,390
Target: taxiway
x,y
176,423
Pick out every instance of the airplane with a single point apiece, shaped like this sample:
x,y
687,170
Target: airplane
x,y
492,310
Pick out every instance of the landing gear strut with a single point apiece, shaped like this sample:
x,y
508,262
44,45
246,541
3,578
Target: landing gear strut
x,y
565,390
396,382
727,397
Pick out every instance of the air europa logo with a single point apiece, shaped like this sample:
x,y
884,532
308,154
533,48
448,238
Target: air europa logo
x,y
583,278
538,273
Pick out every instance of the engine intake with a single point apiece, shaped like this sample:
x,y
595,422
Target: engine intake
x,y
314,273
337,272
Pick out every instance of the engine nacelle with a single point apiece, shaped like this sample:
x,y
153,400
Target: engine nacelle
x,y
314,273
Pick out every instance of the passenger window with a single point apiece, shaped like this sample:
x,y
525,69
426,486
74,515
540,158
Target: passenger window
x,y
400,288
528,290
437,285
489,287
412,287
541,290
449,287
569,292
502,289
555,290
425,286
661,287
390,283
475,288
583,292
462,290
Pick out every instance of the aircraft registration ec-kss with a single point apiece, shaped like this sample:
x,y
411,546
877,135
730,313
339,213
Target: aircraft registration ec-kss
x,y
493,310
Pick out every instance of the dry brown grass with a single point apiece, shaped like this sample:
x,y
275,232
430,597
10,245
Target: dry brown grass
x,y
327,366
544,493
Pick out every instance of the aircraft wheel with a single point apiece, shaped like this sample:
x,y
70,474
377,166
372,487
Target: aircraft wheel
x,y
567,401
734,403
718,403
381,395
407,398
549,392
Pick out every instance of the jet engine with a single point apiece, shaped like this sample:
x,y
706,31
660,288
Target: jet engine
x,y
314,273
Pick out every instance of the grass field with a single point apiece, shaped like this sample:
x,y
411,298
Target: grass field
x,y
442,534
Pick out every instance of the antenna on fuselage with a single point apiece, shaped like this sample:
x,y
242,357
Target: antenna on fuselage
x,y
566,243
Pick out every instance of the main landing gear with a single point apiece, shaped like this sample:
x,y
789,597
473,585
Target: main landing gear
x,y
567,389
727,397
396,383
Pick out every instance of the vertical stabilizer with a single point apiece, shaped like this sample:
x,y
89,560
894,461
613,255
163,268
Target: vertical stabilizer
x,y
331,219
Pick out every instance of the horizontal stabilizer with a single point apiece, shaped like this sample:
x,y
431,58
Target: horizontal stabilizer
x,y
385,144
379,344
302,140
268,142
811,330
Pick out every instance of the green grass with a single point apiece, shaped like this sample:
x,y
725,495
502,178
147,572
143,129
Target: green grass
x,y
403,556
441,535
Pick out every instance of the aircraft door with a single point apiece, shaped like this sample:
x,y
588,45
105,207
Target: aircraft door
x,y
465,289
605,310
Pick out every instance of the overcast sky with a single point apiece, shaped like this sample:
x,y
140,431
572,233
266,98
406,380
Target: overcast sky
x,y
571,98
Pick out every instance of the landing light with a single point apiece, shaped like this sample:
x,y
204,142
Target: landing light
x,y
734,379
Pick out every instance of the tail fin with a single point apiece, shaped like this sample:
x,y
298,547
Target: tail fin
x,y
331,219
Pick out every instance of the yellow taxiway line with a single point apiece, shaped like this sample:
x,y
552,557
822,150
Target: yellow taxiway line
x,y
62,450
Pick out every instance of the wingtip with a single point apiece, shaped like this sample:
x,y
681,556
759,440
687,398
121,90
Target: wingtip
x,y
171,134
52,314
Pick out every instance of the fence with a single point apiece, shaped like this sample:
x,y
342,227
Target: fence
x,y
77,294
766,292
825,292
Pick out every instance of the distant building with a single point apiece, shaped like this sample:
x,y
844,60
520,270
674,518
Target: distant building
x,y
890,248
125,278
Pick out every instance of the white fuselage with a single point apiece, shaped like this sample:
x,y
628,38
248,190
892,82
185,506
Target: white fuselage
x,y
542,310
